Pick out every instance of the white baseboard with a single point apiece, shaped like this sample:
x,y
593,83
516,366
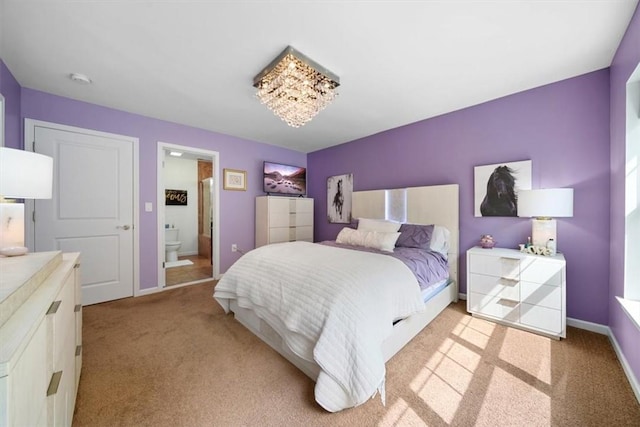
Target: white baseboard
x,y
588,326
148,291
635,385
187,253
462,296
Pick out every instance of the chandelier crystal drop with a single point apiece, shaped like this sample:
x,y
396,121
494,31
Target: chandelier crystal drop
x,y
295,88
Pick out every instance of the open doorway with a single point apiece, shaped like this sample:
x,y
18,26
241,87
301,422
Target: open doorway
x,y
188,212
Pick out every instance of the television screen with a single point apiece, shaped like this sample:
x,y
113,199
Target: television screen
x,y
285,179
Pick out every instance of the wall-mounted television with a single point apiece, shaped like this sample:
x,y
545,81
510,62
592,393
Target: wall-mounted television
x,y
284,179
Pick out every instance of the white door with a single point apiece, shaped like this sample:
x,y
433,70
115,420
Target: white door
x,y
91,210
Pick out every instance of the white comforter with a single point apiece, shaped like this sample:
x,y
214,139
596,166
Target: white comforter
x,y
331,305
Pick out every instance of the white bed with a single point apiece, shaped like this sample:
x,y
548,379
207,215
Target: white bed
x,y
418,205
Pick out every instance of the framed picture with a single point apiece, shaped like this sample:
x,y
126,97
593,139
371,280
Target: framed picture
x,y
175,197
234,179
339,189
496,187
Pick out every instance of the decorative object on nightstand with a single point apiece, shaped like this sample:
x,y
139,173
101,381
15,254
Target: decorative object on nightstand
x,y
487,241
543,205
518,289
23,175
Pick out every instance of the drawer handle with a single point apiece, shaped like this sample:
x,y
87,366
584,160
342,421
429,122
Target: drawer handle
x,y
510,258
54,383
77,308
508,302
78,350
76,265
53,308
509,279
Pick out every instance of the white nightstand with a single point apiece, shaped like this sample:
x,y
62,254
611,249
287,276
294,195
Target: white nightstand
x,y
518,289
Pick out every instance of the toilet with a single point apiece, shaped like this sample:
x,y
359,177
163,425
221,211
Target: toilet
x,y
171,244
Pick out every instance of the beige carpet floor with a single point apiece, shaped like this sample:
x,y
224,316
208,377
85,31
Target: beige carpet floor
x,y
175,359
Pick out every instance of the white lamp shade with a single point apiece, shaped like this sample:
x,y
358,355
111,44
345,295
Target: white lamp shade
x,y
549,202
25,175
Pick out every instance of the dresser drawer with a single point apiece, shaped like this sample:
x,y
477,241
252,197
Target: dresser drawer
x,y
495,286
543,295
538,270
497,307
63,320
304,205
541,317
301,218
498,266
303,233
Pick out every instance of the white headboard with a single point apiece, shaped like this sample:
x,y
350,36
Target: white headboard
x,y
436,204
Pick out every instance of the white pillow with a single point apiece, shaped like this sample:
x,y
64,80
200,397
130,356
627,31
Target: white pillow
x,y
368,239
440,240
383,225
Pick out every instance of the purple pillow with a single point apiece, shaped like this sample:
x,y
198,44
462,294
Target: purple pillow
x,y
415,236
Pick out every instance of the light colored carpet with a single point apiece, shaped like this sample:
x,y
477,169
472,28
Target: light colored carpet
x,y
175,359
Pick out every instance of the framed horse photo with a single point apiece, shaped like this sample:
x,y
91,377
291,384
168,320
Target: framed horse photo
x,y
339,189
496,187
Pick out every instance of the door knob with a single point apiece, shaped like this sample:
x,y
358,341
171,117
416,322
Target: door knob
x,y
124,227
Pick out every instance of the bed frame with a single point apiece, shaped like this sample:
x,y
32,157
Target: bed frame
x,y
416,205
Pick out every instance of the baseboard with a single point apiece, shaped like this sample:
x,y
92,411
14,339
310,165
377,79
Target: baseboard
x,y
187,253
635,386
147,291
588,326
462,296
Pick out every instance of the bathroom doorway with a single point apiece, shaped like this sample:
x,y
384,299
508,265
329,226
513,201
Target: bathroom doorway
x,y
188,195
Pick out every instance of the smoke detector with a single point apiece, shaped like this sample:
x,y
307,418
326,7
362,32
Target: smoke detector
x,y
80,78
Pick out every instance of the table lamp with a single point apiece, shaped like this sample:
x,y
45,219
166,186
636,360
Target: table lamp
x,y
543,205
23,175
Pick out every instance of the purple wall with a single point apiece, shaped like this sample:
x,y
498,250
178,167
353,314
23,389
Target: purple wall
x,y
624,63
10,89
562,127
237,208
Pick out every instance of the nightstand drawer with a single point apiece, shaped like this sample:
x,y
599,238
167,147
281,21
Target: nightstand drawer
x,y
543,295
497,266
497,307
541,317
538,270
496,286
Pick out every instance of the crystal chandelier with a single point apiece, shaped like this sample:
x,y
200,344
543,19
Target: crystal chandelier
x,y
295,88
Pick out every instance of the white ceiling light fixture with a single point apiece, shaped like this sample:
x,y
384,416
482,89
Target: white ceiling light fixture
x,y
175,153
80,78
295,87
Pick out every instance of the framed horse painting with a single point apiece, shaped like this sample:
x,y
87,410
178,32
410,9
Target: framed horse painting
x,y
496,187
339,189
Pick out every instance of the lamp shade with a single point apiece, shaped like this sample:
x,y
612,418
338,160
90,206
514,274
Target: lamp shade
x,y
549,202
25,175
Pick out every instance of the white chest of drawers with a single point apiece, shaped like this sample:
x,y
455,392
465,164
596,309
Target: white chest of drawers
x,y
518,289
40,339
283,219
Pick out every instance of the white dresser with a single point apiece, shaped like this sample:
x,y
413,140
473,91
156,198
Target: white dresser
x,y
518,289
283,219
40,339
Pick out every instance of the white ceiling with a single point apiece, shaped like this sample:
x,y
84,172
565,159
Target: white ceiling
x,y
193,62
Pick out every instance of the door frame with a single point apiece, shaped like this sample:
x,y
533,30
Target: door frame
x,y
29,138
215,238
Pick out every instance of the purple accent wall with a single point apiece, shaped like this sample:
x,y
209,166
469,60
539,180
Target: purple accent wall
x,y
237,208
10,89
562,127
624,63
